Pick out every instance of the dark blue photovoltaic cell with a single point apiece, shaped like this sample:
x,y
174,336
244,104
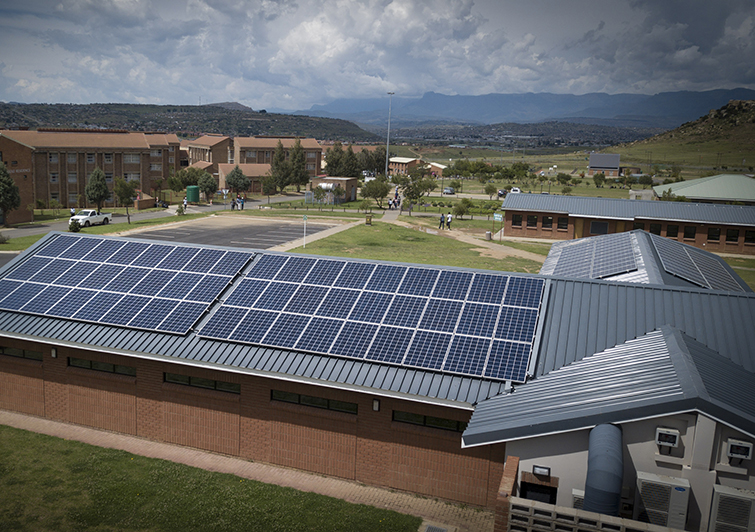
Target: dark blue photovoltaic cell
x,y
58,246
295,270
371,307
208,288
153,282
101,276
177,258
73,301
389,344
441,315
98,306
354,275
452,285
306,299
276,296
524,292
478,319
223,322
405,311
254,326
52,271
517,324
338,304
154,313
7,286
428,350
267,266
127,279
246,293
488,288
28,268
319,334
230,264
508,360
128,253
325,272
286,330
103,252
20,296
467,355
125,310
153,256
80,248
183,317
386,278
354,339
46,299
180,285
75,275
204,261
418,281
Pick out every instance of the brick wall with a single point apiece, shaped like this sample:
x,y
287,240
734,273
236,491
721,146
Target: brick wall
x,y
506,491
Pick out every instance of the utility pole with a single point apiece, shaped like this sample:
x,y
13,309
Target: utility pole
x,y
388,139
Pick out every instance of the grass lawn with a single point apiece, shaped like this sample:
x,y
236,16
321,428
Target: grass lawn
x,y
49,483
382,241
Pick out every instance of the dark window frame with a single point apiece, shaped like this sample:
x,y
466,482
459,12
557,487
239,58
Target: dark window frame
x,y
655,229
597,224
732,236
714,234
201,382
432,422
517,220
638,226
672,231
690,229
314,402
547,222
532,220
104,367
21,353
749,236
562,223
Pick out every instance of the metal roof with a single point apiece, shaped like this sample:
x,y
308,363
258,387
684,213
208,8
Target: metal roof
x,y
605,160
662,372
722,187
622,209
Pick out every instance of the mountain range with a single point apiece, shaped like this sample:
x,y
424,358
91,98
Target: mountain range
x,y
665,110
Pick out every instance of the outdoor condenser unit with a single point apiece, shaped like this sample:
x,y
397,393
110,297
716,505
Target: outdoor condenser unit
x,y
577,498
661,500
732,510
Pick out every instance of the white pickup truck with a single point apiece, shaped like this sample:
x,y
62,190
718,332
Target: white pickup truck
x,y
90,217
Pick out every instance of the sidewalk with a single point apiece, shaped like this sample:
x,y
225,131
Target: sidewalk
x,y
446,516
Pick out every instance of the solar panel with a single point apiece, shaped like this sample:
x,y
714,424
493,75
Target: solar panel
x,y
354,275
254,326
405,311
46,299
428,350
371,307
319,335
295,269
597,257
57,246
441,315
453,285
354,338
467,355
508,360
418,282
386,278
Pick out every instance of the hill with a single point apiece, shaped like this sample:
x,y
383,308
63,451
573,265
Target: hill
x,y
186,120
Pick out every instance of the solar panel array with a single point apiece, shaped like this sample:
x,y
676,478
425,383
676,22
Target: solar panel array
x,y
693,265
597,257
120,282
445,320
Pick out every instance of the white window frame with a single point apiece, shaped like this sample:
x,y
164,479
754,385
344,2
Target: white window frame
x,y
53,158
133,176
72,177
108,158
156,153
156,167
108,177
71,158
91,158
131,158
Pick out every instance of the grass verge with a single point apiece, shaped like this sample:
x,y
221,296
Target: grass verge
x,y
53,484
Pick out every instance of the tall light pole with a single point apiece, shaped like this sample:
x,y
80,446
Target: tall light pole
x,y
388,140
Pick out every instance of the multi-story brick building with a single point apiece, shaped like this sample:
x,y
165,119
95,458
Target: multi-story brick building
x,y
212,149
260,150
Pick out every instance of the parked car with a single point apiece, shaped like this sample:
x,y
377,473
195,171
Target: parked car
x,y
502,193
449,190
516,190
89,217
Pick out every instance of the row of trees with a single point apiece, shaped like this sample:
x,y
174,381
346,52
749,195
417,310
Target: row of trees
x,y
346,163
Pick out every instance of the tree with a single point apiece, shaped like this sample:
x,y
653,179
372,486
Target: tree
x,y
490,190
350,164
237,181
338,194
646,180
269,188
280,168
562,178
319,194
566,191
125,192
189,177
379,158
96,189
207,185
299,174
599,179
670,196
463,207
376,189
415,185
334,158
10,196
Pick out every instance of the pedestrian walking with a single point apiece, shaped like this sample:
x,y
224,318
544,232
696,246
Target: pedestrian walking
x,y
186,204
442,224
448,221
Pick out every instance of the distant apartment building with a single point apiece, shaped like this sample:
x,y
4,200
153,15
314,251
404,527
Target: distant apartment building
x,y
260,150
212,149
54,165
402,165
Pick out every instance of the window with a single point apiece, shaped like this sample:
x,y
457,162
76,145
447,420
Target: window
x,y
72,177
73,198
311,155
21,353
251,154
429,421
132,176
54,196
156,167
655,229
749,236
109,176
714,234
267,155
90,158
108,158
563,223
72,158
53,157
1,156
689,232
638,225
732,235
547,222
199,382
53,177
317,402
155,153
131,158
310,166
101,366
672,231
171,159
516,220
170,149
531,220
598,228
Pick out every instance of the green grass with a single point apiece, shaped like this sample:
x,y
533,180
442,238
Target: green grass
x,y
49,483
745,268
382,241
540,248
21,243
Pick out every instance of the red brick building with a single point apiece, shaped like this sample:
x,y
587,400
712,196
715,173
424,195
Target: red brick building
x,y
260,150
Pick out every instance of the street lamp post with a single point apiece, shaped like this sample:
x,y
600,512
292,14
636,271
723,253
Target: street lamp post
x,y
388,140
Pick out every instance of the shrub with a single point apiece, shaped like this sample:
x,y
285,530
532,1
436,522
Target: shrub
x,y
74,226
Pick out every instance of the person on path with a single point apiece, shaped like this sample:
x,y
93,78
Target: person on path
x,y
442,222
448,221
186,204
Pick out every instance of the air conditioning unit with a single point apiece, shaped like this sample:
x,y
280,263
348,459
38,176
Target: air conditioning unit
x,y
577,499
661,500
732,510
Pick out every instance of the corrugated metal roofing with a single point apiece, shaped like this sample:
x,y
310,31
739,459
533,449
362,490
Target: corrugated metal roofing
x,y
621,209
662,372
722,187
605,160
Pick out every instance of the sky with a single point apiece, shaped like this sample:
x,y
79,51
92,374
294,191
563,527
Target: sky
x,y
291,54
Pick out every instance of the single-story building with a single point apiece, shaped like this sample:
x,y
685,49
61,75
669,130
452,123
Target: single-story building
x,y
716,228
255,172
348,184
609,164
722,188
402,165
